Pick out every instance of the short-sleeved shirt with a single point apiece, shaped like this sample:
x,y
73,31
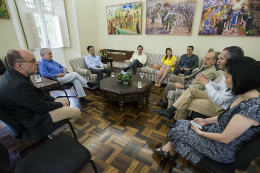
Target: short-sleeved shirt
x,y
169,61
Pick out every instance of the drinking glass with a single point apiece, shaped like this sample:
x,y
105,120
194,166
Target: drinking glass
x,y
142,75
139,84
37,78
112,74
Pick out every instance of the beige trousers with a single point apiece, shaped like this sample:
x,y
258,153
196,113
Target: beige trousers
x,y
171,86
196,100
71,113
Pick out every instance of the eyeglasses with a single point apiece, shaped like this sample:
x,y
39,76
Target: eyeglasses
x,y
33,61
139,49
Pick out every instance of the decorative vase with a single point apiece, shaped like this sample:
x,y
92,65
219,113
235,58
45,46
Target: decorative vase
x,y
125,83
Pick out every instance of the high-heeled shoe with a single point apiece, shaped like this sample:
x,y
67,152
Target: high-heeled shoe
x,y
165,155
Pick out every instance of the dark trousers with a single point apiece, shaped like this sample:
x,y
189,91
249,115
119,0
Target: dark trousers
x,y
134,65
176,72
100,72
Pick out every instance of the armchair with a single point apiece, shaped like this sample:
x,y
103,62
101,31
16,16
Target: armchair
x,y
16,129
79,65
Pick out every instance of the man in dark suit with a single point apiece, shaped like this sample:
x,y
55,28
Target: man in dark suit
x,y
35,110
188,62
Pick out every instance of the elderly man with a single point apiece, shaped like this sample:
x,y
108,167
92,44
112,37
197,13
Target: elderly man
x,y
95,65
51,69
188,62
138,60
212,102
208,69
35,110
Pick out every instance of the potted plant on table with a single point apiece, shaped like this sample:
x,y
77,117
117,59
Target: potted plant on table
x,y
119,77
126,78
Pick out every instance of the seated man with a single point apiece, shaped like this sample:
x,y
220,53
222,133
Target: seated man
x,y
188,62
138,60
35,110
95,65
208,69
212,102
51,69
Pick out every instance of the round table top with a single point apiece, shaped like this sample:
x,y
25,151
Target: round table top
x,y
111,84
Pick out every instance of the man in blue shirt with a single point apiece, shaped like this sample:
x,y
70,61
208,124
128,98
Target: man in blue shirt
x,y
95,65
188,62
51,69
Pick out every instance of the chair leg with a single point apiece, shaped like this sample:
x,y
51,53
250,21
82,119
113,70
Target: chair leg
x,y
94,166
173,163
72,129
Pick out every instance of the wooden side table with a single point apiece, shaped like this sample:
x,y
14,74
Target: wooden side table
x,y
110,60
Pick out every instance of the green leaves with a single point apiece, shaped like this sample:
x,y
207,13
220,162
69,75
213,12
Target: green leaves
x,y
119,76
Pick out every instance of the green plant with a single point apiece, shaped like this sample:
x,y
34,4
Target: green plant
x,y
119,76
125,78
129,74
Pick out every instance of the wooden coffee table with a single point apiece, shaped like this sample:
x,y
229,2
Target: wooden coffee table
x,y
116,91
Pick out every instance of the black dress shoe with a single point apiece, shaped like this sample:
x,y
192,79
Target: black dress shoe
x,y
163,113
125,69
165,155
160,103
91,85
83,99
171,125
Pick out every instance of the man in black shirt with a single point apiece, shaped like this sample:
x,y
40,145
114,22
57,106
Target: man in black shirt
x,y
188,62
35,110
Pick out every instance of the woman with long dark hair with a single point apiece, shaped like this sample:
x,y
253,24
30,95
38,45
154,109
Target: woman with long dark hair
x,y
168,62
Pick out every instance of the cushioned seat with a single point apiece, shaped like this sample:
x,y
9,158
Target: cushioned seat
x,y
61,154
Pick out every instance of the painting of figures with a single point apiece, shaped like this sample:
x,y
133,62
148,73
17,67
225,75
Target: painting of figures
x,y
230,18
173,17
3,10
124,18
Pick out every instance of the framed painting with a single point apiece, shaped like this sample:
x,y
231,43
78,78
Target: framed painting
x,y
173,17
230,18
4,14
124,19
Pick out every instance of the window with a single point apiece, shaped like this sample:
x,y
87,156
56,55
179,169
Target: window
x,y
43,25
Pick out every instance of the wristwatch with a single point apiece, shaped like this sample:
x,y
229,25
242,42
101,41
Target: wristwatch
x,y
201,134
189,69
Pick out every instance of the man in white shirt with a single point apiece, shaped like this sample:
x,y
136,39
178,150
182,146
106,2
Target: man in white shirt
x,y
212,102
138,60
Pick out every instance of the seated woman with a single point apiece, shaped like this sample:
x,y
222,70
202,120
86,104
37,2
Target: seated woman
x,y
168,62
222,136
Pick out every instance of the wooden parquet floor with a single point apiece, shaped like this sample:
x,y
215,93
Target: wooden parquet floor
x,y
119,141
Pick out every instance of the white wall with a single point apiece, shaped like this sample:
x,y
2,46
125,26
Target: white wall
x,y
158,43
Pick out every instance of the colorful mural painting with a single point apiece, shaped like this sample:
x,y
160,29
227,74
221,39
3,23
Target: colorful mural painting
x,y
3,10
174,17
230,18
124,18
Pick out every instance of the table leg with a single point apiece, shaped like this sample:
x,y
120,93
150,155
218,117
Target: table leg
x,y
106,101
140,104
147,99
111,63
121,105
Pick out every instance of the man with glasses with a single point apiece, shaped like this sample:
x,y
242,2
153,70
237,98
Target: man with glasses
x,y
138,60
35,110
51,69
188,62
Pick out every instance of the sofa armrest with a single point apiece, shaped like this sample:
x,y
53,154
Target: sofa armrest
x,y
105,65
83,72
195,70
127,62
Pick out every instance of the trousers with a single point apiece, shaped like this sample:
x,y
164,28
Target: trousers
x,y
134,65
171,86
196,100
62,113
176,71
100,72
77,80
